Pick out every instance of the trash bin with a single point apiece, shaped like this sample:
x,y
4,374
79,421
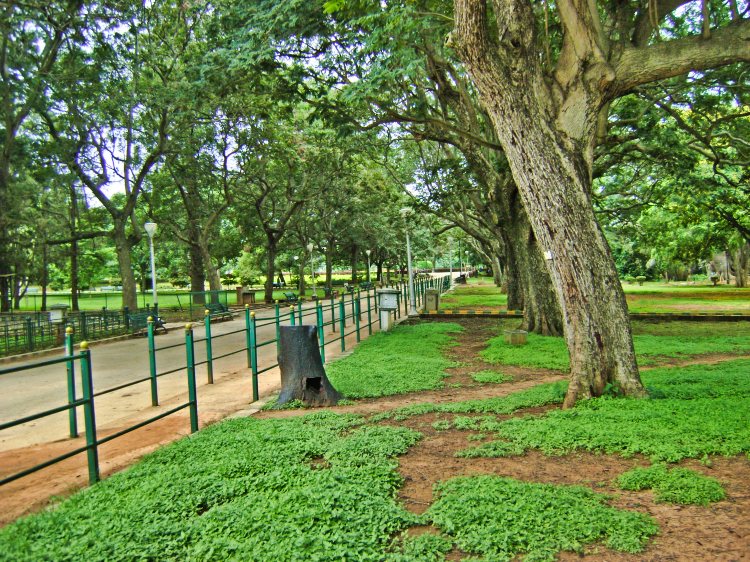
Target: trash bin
x,y
516,337
432,299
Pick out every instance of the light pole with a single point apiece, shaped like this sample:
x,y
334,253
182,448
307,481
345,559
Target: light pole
x,y
150,228
310,247
368,252
466,260
450,256
405,212
299,281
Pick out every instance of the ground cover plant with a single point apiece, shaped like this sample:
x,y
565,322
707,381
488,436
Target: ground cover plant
x,y
674,485
488,376
694,412
315,487
500,518
406,359
653,343
480,295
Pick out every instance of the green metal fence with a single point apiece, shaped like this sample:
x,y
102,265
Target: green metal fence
x,y
348,315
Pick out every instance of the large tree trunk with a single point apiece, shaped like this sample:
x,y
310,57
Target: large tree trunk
x,y
196,271
742,261
551,163
125,265
74,285
354,260
270,268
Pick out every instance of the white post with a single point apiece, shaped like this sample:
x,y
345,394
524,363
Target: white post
x,y
368,264
450,256
150,228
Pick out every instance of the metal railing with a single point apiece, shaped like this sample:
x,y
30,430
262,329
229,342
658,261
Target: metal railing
x,y
348,315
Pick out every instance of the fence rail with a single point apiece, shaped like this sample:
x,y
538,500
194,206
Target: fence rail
x,y
345,319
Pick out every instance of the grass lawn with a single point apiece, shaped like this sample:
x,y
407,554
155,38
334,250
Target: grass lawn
x,y
326,486
652,297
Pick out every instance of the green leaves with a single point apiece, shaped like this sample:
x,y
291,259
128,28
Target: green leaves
x,y
677,485
407,359
501,518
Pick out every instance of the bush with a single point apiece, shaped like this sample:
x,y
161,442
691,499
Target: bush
x,y
640,279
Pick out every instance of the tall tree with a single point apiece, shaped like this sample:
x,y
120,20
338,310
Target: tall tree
x,y
547,95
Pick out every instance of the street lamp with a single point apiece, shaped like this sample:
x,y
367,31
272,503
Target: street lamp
x,y
450,255
405,212
368,252
150,228
466,260
299,281
312,268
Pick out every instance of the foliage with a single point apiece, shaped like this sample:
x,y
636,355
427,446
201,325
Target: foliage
x,y
676,485
315,487
696,411
406,359
501,518
472,296
551,352
491,377
539,395
426,548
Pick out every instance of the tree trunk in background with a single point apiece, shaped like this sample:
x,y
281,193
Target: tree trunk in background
x,y
302,283
379,271
212,274
125,264
45,275
197,273
742,261
74,288
355,259
270,268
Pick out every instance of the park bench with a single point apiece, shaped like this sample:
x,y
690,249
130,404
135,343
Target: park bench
x,y
291,297
366,286
219,311
138,322
348,288
329,292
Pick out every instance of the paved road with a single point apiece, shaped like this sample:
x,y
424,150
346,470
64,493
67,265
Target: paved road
x,y
116,363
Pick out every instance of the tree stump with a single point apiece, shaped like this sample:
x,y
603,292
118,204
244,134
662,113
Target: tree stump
x,y
302,374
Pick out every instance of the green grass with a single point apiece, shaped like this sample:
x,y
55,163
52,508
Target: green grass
x,y
676,485
696,411
539,395
407,359
320,487
653,342
493,377
501,518
473,295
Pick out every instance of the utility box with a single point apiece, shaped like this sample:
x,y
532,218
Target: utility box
x,y
516,337
58,313
432,299
387,305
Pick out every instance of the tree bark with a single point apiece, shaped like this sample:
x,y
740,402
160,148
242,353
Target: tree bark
x,y
125,264
549,150
270,268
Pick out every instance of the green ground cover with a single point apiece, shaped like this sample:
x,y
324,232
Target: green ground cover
x,y
694,412
407,359
473,295
673,485
314,488
501,518
653,342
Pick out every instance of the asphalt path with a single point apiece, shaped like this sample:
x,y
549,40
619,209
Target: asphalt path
x,y
120,362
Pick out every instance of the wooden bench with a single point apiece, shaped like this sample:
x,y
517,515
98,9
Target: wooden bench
x,y
291,297
218,311
348,288
138,321
366,286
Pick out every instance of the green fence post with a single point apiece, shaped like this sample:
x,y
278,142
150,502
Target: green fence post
x,y
352,303
356,317
253,344
333,313
247,335
369,315
321,331
89,416
342,323
299,311
84,325
209,347
278,331
292,320
192,391
71,371
152,361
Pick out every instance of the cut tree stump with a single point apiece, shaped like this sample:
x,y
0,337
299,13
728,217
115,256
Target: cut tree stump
x,y
302,374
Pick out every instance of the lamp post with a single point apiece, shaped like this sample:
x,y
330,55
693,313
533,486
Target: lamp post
x,y
466,260
368,252
299,281
150,228
405,212
450,255
310,247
